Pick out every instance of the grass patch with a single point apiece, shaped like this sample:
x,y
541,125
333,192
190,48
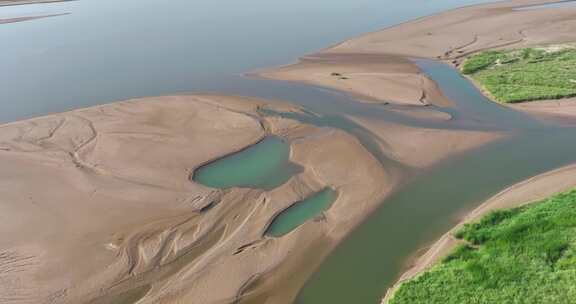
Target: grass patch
x,y
525,74
522,255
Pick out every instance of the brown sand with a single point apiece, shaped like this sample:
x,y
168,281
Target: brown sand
x,y
375,67
98,205
24,2
370,77
422,147
528,191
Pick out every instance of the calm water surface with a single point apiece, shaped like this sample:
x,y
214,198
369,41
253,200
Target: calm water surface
x,y
301,211
559,4
108,50
265,165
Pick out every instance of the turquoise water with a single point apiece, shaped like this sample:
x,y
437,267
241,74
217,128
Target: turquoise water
x,y
264,165
301,211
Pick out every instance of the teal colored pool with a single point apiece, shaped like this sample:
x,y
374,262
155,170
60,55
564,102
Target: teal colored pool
x,y
265,165
301,211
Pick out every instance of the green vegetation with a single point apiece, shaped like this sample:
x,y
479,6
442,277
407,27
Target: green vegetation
x,y
523,255
526,74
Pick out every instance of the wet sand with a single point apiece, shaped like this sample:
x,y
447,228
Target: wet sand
x,y
377,78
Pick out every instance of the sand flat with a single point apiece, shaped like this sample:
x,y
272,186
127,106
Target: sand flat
x,y
98,204
109,208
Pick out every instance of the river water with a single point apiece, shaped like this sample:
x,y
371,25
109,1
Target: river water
x,y
106,50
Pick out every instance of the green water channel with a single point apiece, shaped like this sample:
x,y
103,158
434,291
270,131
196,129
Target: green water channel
x,y
265,165
301,211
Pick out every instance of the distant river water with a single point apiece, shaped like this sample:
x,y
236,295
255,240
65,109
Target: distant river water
x,y
106,50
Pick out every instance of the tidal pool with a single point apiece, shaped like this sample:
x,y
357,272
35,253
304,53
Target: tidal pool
x,y
265,165
301,211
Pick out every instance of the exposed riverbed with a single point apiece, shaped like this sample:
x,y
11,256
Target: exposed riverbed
x,y
60,63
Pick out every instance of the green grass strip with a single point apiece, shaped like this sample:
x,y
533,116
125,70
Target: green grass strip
x,y
522,255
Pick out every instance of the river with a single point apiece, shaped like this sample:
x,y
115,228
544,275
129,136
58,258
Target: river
x,y
106,50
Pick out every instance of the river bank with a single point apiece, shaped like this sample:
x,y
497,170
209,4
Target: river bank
x,y
87,169
5,3
531,190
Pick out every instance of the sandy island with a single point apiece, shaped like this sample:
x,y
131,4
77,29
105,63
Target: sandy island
x,y
376,68
24,2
